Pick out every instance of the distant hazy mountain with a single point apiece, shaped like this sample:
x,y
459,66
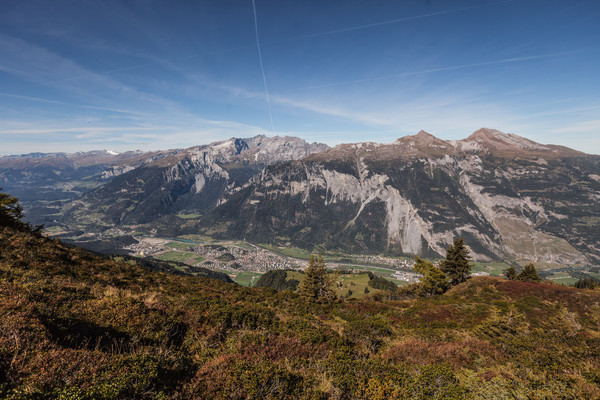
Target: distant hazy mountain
x,y
43,181
509,197
189,181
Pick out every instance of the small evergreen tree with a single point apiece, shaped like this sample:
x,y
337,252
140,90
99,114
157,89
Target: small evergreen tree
x,y
586,283
511,273
316,285
11,211
529,274
456,265
433,282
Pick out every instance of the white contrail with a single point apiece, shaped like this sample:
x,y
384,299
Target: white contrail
x,y
440,69
308,36
262,68
154,63
388,22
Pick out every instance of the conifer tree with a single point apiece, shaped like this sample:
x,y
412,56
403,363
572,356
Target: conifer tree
x,y
316,285
586,283
511,273
456,265
433,282
11,211
529,274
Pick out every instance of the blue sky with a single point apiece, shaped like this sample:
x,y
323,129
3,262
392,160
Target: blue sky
x,y
79,75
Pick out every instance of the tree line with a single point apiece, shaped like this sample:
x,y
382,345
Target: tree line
x,y
454,269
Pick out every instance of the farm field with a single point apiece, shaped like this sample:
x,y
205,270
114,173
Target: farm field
x,y
180,256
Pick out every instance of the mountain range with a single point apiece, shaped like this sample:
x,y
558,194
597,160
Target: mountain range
x,y
509,197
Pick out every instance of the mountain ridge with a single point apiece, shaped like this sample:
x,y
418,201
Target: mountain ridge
x,y
509,196
191,180
415,195
424,144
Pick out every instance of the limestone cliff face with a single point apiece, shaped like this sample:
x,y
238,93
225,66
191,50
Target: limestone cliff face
x,y
508,196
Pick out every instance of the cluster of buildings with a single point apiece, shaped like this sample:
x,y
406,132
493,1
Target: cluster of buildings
x,y
387,261
247,259
147,246
406,276
233,257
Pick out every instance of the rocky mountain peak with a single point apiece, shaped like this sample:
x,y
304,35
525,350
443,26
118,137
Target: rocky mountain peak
x,y
486,134
256,149
510,145
422,135
423,144
500,140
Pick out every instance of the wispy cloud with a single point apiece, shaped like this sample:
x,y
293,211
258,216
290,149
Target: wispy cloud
x,y
42,67
563,111
592,126
153,132
155,61
440,69
31,98
390,22
76,129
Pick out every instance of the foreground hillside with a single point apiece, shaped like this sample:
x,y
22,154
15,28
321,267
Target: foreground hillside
x,y
73,325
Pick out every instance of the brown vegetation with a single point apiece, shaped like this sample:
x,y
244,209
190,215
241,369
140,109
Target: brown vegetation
x,y
73,325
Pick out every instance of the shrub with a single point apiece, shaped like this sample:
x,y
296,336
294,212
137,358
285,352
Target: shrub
x,y
586,283
529,274
436,381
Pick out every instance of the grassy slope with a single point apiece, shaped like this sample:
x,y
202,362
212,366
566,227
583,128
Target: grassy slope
x,y
76,326
348,286
246,278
